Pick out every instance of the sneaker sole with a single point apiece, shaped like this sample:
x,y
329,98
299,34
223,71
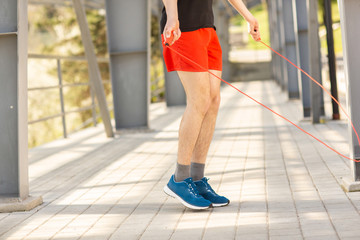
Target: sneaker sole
x,y
169,192
220,204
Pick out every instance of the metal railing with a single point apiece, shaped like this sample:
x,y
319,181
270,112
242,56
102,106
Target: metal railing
x,y
60,86
158,92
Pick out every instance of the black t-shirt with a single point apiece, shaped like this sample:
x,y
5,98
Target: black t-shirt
x,y
193,15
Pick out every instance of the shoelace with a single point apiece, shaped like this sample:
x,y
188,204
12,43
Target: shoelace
x,y
192,187
208,185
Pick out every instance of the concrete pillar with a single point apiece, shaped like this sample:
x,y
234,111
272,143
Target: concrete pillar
x,y
174,90
128,25
315,61
275,32
291,49
14,180
272,39
301,18
281,41
222,20
350,19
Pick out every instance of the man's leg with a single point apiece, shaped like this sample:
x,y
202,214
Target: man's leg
x,y
198,94
202,146
207,129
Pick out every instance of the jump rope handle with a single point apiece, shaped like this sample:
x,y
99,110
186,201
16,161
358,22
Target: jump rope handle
x,y
169,40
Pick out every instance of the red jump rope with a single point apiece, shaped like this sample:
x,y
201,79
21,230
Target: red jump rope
x,y
169,40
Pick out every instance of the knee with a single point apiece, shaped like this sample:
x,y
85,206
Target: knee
x,y
201,106
215,102
204,106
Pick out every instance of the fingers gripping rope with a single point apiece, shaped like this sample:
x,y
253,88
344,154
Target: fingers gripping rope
x,y
326,145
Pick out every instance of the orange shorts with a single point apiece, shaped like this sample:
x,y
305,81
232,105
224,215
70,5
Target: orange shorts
x,y
202,46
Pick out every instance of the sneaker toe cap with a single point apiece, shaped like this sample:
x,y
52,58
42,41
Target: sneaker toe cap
x,y
218,199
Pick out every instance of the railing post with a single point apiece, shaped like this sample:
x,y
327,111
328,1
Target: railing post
x,y
62,105
93,109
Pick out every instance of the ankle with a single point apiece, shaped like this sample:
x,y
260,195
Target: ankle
x,y
181,172
197,171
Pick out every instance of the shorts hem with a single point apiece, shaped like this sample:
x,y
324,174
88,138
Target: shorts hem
x,y
193,70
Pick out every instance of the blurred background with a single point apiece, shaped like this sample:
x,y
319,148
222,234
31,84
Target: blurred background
x,y
60,98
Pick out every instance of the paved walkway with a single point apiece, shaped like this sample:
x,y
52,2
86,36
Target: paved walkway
x,y
281,183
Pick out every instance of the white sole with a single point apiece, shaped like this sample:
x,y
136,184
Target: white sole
x,y
169,192
220,204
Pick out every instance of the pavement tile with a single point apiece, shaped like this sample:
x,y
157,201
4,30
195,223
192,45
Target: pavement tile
x,y
282,185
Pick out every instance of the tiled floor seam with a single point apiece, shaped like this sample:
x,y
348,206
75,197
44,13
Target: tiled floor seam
x,y
39,208
217,190
209,161
311,177
170,166
184,211
287,177
317,192
290,187
158,210
72,201
104,177
227,120
339,183
36,185
242,185
163,203
336,179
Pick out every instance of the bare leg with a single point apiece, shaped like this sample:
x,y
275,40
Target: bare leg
x,y
198,91
208,125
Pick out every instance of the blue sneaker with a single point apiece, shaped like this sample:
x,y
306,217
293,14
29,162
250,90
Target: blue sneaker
x,y
186,192
208,193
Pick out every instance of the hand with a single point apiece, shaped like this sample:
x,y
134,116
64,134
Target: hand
x,y
172,26
253,27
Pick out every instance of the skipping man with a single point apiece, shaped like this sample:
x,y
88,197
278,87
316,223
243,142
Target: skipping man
x,y
192,24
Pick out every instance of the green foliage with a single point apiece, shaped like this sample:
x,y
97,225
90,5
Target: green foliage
x,y
157,68
336,19
260,13
56,32
53,30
